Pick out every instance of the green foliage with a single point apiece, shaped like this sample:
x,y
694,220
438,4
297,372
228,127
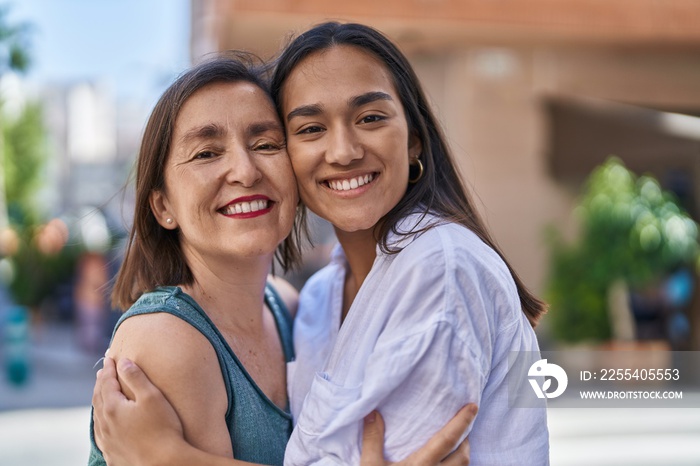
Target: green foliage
x,y
14,44
36,275
22,160
24,154
630,229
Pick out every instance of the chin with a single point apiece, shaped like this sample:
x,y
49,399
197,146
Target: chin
x,y
351,220
258,248
353,226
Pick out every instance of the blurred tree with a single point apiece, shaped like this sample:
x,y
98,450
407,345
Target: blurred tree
x,y
630,230
36,272
24,154
14,56
14,44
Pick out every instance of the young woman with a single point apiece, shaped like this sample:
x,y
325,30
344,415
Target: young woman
x,y
418,311
215,198
430,310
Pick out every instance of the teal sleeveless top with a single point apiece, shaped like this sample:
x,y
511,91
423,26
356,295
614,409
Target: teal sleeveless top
x,y
259,429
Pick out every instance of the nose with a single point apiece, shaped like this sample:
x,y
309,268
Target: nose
x,y
343,147
242,169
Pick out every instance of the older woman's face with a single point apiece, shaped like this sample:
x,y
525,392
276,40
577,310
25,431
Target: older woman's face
x,y
229,185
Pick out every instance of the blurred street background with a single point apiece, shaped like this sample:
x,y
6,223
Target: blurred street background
x,y
576,123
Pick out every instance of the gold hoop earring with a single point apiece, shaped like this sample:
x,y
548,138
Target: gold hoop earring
x,y
415,179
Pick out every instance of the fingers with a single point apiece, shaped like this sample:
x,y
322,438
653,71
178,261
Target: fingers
x,y
107,385
464,417
103,377
109,369
107,392
459,457
446,439
96,394
106,389
373,440
135,382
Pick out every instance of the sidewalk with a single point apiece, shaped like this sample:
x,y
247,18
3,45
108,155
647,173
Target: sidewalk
x,y
45,437
61,373
46,420
624,436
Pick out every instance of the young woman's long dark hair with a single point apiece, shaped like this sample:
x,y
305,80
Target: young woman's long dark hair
x,y
153,255
441,189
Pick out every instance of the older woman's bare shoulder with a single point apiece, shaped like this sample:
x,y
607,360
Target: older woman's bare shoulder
x,y
165,347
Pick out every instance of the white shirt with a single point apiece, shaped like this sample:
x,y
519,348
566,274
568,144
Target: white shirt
x,y
429,331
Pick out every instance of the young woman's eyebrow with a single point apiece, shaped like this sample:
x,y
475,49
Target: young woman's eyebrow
x,y
368,97
304,110
354,102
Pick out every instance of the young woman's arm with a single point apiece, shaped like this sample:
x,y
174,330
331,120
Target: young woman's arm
x,y
145,430
181,362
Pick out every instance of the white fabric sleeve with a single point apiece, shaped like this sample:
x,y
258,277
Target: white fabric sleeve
x,y
431,357
417,383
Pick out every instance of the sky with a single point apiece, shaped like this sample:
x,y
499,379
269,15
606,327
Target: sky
x,y
136,47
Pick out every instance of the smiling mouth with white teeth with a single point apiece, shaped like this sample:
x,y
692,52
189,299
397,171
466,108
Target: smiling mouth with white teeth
x,y
352,183
245,207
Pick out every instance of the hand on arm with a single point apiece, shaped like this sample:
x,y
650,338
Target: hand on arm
x,y
183,365
126,430
436,451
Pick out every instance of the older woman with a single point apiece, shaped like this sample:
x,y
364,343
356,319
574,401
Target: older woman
x,y
215,198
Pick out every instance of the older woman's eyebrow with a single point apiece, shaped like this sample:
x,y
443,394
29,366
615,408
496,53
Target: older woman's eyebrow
x,y
208,131
367,98
261,127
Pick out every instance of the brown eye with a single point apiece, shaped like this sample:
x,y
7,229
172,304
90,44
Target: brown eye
x,y
310,130
268,147
205,155
371,119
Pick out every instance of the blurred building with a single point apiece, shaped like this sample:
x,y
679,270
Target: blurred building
x,y
532,93
93,142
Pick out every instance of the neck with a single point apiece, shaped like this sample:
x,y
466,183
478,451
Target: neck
x,y
360,250
231,293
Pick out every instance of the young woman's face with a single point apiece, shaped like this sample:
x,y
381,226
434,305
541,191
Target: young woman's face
x,y
229,185
347,137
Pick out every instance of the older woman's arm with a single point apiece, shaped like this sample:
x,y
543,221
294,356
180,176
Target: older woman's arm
x,y
183,366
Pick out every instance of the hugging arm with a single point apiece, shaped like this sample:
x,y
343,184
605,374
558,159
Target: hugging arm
x,y
437,449
181,362
127,429
143,430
